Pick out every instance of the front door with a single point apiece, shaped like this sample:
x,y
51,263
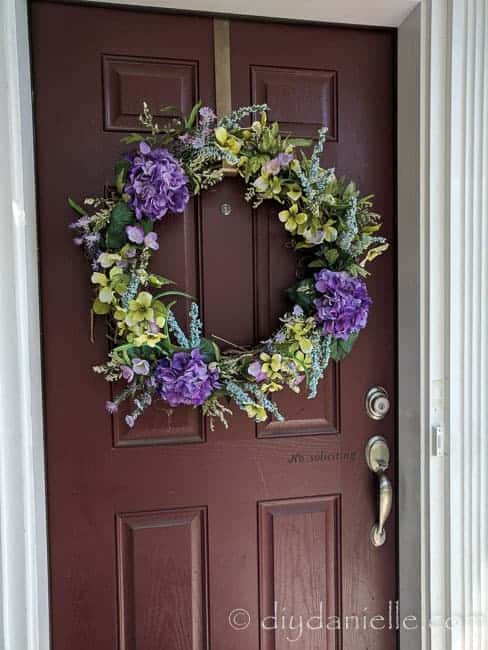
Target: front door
x,y
170,536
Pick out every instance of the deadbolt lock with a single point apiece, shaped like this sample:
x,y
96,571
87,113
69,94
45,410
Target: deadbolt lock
x,y
377,403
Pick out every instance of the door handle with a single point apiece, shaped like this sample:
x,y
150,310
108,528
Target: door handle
x,y
378,460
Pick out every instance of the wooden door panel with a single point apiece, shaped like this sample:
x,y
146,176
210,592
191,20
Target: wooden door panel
x,y
154,542
275,271
308,417
162,82
180,251
299,548
162,577
301,100
227,265
161,425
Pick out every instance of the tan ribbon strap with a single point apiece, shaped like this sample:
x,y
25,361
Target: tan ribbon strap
x,y
223,98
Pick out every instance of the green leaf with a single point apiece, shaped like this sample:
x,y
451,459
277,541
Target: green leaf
x,y
142,352
303,244
303,293
210,351
299,142
132,137
217,351
355,269
174,293
340,348
121,216
190,121
317,264
156,280
76,207
121,352
167,109
147,225
100,308
105,295
121,168
332,255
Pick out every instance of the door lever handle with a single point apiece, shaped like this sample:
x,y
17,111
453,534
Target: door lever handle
x,y
378,460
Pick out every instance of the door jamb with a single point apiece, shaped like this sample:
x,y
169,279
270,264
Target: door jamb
x,y
24,611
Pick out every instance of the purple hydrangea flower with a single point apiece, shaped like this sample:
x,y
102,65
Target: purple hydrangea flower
x,y
127,373
279,337
343,308
130,420
255,370
185,378
82,222
297,381
135,234
140,366
151,241
316,238
207,115
151,382
156,183
198,142
111,407
275,165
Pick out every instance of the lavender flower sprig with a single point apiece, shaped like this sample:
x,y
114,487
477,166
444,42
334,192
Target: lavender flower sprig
x,y
263,401
175,328
320,361
233,120
350,231
195,326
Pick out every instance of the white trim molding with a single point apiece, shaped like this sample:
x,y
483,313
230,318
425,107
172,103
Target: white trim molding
x,y
411,328
448,311
24,615
381,13
468,318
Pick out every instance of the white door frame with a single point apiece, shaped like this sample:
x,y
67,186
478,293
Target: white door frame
x,y
442,112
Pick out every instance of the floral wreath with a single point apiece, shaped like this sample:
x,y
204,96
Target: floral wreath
x,y
332,230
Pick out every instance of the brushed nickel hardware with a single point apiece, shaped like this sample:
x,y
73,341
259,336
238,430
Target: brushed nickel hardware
x,y
378,460
229,172
223,94
225,209
377,403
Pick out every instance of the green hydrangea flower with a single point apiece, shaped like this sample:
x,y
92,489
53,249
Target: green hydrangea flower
x,y
293,219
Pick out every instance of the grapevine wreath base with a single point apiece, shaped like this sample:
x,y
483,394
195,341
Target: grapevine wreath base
x,y
332,230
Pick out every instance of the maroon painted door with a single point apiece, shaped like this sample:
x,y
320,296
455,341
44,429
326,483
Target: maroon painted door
x,y
159,533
